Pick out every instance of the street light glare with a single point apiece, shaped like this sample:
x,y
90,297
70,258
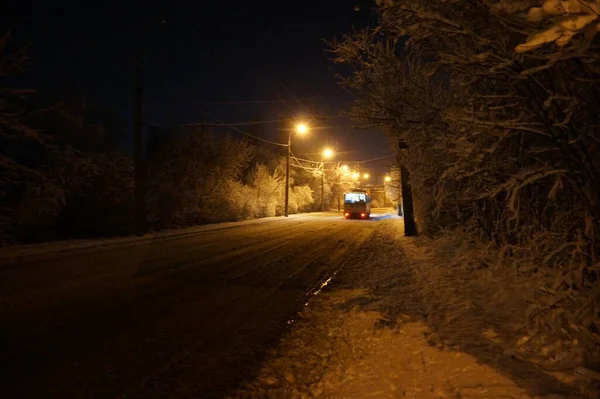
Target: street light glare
x,y
366,175
344,168
387,178
355,176
301,128
327,153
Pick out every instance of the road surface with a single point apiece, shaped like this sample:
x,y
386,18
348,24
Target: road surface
x,y
187,317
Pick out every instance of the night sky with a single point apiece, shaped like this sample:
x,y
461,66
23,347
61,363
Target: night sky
x,y
237,61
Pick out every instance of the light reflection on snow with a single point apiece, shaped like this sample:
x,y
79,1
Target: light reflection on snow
x,y
323,284
313,293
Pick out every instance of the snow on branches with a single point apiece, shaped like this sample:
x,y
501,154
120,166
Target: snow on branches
x,y
567,19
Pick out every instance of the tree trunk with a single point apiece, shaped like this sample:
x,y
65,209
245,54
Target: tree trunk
x,y
410,227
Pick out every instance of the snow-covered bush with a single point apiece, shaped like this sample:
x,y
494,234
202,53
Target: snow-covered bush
x,y
302,198
268,189
241,200
190,176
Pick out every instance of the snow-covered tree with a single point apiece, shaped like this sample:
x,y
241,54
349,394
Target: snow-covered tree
x,y
340,179
268,188
189,174
493,104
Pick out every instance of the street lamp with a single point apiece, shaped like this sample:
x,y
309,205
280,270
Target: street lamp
x,y
300,128
388,179
366,176
327,153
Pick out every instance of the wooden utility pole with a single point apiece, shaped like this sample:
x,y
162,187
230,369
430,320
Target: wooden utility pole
x,y
139,158
410,227
287,176
322,184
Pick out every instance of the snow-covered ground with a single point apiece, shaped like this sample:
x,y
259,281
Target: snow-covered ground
x,y
399,321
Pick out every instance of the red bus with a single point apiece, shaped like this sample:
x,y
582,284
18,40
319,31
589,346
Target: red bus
x,y
357,204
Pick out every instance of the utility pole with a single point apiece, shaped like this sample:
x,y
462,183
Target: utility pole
x,y
287,175
322,184
410,227
140,164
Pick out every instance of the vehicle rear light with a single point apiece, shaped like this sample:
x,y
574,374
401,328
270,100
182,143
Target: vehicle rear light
x,y
346,214
362,215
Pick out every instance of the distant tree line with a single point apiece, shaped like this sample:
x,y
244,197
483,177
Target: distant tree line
x,y
62,176
495,105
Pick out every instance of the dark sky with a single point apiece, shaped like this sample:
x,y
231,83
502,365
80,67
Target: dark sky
x,y
269,55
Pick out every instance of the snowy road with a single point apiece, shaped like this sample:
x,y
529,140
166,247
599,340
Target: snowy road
x,y
187,316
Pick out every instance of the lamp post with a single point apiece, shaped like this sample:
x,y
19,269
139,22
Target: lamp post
x,y
327,153
302,129
387,180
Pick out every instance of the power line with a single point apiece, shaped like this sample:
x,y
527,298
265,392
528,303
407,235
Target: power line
x,y
304,168
300,165
330,116
377,159
263,122
307,160
308,112
294,97
244,133
236,123
247,102
300,159
350,162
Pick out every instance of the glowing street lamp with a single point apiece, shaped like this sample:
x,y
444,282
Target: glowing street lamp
x,y
327,153
300,128
355,175
366,176
388,179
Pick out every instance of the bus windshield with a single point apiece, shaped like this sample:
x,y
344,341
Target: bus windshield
x,y
351,198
